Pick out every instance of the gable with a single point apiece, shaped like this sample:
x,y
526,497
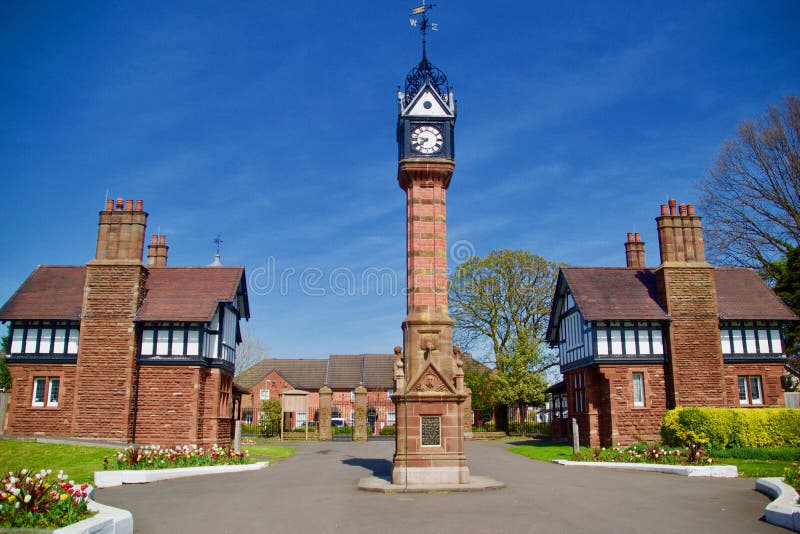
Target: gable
x,y
428,103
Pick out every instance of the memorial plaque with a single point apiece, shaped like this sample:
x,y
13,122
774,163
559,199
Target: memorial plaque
x,y
431,430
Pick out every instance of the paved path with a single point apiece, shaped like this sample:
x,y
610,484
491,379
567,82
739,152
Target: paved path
x,y
315,491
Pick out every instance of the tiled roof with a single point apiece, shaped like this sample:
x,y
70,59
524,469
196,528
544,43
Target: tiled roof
x,y
172,294
604,293
51,292
379,371
308,374
189,293
741,294
609,293
340,371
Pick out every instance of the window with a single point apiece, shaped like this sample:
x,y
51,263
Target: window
x,y
579,391
45,391
389,393
629,338
391,418
750,391
750,338
44,338
638,389
264,395
170,340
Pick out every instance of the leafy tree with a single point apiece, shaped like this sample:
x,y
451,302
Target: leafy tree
x,y
5,376
751,197
270,417
478,377
519,379
493,300
787,286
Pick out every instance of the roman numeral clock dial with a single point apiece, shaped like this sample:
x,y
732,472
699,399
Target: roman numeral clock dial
x,y
426,140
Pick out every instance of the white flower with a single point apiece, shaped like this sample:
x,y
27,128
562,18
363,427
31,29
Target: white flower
x,y
27,498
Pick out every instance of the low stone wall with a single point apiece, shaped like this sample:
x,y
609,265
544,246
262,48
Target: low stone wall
x,y
484,436
108,479
716,471
784,510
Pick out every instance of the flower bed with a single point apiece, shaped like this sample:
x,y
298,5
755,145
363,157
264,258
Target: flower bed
x,y
649,454
156,457
38,500
792,477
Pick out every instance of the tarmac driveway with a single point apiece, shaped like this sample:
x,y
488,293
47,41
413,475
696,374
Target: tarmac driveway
x,y
315,491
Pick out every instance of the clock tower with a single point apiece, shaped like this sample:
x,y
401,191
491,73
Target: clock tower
x,y
429,380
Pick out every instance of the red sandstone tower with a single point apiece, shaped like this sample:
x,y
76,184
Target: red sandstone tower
x,y
429,378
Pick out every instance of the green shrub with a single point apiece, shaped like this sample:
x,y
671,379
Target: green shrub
x,y
387,430
489,426
737,427
342,430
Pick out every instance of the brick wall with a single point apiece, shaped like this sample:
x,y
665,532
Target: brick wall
x,y
628,423
695,356
107,351
770,374
181,405
25,419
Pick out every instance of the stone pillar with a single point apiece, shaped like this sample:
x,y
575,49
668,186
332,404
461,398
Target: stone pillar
x,y
468,415
325,398
360,428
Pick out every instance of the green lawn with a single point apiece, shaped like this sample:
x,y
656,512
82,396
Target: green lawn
x,y
271,452
78,462
547,451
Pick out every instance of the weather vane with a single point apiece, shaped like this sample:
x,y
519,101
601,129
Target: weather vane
x,y
218,241
423,23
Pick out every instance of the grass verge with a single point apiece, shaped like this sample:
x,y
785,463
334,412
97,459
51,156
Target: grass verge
x,y
751,468
79,462
272,452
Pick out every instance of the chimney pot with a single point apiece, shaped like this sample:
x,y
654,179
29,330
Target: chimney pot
x,y
630,237
120,203
154,240
162,239
637,237
672,204
690,210
139,205
682,210
110,204
664,211
129,205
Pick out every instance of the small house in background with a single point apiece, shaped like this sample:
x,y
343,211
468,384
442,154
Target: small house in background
x,y
634,342
125,351
341,372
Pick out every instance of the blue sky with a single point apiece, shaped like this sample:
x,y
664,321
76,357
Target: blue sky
x,y
273,125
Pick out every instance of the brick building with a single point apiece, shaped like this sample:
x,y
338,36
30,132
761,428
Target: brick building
x,y
124,351
634,342
341,372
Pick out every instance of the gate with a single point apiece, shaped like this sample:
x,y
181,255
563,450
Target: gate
x,y
381,416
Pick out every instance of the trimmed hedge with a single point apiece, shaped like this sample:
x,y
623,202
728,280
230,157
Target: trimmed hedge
x,y
734,427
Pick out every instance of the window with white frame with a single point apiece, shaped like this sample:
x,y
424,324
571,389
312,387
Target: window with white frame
x,y
750,391
45,391
629,338
638,389
170,340
751,338
264,395
44,338
391,417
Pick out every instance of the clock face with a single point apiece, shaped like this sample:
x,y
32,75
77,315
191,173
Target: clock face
x,y
426,140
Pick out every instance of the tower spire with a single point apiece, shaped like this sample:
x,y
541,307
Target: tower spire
x,y
423,24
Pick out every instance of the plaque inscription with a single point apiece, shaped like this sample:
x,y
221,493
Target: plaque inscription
x,y
431,430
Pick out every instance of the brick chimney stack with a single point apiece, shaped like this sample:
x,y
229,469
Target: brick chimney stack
x,y
680,234
687,290
113,293
634,251
121,231
157,251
